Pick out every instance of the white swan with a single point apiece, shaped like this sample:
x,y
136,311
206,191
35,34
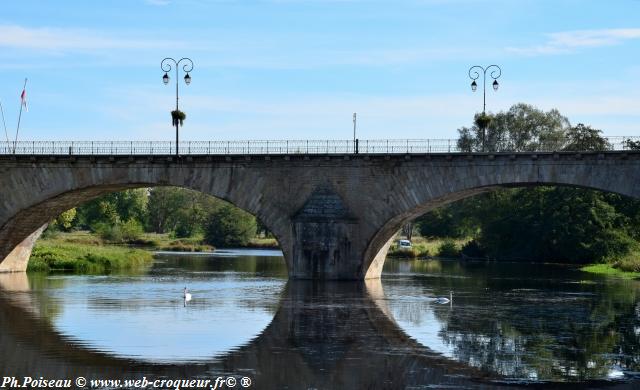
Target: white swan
x,y
443,300
187,295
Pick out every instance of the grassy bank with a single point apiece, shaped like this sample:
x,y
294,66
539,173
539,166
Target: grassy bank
x,y
58,255
150,241
264,243
609,270
627,267
423,247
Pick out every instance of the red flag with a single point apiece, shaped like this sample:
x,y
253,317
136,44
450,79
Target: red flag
x,y
23,99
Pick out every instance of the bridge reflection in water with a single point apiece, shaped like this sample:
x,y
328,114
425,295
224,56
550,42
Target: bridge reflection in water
x,y
324,335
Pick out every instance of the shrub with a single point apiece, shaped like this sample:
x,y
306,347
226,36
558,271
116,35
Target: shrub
x,y
472,249
131,230
448,249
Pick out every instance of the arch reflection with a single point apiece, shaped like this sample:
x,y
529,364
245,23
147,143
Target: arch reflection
x,y
323,335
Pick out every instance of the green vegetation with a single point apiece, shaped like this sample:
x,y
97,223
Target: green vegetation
x,y
59,255
90,238
422,248
230,227
544,224
609,270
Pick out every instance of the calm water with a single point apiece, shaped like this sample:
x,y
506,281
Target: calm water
x,y
509,325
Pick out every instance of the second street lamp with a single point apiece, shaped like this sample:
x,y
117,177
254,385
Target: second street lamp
x,y
474,74
166,65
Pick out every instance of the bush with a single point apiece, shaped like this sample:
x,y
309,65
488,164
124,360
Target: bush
x,y
131,230
403,253
107,232
472,249
230,227
184,229
52,231
629,263
119,232
448,249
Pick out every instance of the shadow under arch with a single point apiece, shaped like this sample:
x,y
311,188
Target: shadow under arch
x,y
324,335
382,240
32,220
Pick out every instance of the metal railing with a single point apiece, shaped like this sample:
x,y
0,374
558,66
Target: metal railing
x,y
392,146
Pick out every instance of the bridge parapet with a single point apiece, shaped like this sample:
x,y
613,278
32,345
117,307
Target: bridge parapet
x,y
275,147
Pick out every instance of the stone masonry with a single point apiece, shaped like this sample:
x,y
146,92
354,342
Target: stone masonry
x,y
333,215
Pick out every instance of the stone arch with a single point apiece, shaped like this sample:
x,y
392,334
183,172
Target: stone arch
x,y
382,240
33,201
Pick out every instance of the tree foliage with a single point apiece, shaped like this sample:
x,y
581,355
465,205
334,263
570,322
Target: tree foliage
x,y
230,227
521,128
179,210
539,224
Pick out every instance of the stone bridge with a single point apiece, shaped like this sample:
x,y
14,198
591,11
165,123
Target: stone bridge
x,y
334,215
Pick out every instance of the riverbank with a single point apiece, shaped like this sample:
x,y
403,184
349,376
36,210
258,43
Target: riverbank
x,y
423,247
610,270
85,252
57,255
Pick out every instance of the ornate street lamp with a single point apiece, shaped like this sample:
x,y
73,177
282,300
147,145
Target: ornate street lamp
x,y
474,73
166,66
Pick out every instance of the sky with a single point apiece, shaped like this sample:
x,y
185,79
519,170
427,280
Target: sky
x,y
299,69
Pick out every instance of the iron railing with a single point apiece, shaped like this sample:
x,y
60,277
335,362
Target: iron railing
x,y
395,146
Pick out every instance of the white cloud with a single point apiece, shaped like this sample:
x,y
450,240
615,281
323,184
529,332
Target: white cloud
x,y
570,41
60,40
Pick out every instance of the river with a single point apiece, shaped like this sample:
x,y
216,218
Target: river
x,y
508,325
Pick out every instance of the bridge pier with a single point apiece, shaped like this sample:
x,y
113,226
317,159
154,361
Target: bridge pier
x,y
328,241
18,258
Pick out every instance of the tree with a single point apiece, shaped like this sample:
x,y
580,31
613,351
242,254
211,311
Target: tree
x,y
230,227
522,128
585,138
545,223
631,144
114,207
179,210
66,219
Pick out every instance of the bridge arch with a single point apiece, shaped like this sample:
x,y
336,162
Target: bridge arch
x,y
439,193
54,195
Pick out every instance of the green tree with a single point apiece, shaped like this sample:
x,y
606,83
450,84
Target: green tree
x,y
179,210
230,227
114,207
521,128
66,220
585,138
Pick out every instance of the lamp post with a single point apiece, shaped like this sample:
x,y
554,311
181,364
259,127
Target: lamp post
x,y
474,73
166,66
355,140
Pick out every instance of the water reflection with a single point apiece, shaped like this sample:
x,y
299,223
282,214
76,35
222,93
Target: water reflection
x,y
522,321
507,324
324,336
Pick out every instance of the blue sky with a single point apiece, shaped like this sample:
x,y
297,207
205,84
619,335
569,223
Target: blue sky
x,y
298,69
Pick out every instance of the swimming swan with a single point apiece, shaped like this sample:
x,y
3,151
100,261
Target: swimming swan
x,y
187,295
443,300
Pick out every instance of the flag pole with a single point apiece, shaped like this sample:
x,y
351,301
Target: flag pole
x,y
15,143
6,134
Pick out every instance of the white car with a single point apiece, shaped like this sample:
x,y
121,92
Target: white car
x,y
404,244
